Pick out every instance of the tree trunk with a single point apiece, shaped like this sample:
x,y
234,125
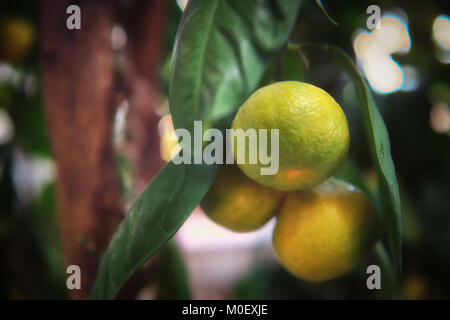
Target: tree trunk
x,y
77,82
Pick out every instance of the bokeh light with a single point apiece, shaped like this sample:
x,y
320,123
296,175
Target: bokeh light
x,y
217,258
411,78
374,51
441,36
182,4
118,37
169,142
6,127
440,118
120,124
441,30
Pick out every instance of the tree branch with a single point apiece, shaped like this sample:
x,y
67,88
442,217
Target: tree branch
x,y
77,89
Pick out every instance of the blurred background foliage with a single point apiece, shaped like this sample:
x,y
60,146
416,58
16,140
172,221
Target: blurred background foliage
x,y
31,259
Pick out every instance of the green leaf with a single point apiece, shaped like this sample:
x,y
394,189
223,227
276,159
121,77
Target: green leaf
x,y
294,66
319,3
172,274
154,218
222,49
378,138
350,173
388,277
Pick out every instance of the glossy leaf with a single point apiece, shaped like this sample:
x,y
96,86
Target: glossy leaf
x,y
222,49
293,65
172,274
154,218
378,139
350,173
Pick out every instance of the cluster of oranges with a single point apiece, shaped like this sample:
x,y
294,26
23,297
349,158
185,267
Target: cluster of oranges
x,y
325,227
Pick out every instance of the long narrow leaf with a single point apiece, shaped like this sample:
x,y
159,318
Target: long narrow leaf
x,y
378,138
154,218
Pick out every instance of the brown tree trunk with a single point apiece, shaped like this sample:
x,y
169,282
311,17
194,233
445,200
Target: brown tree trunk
x,y
77,89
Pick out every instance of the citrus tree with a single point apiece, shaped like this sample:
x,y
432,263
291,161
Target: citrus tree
x,y
224,51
